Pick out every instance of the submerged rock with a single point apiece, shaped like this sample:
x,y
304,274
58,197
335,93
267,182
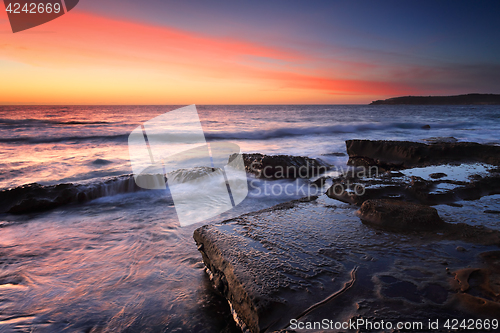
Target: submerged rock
x,y
437,175
283,166
401,215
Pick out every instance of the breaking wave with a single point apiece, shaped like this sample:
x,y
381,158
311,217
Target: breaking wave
x,y
255,134
35,197
30,139
322,130
36,122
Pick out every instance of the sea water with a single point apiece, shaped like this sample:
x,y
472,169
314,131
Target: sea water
x,y
121,262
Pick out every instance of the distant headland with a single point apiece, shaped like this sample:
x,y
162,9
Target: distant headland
x,y
469,99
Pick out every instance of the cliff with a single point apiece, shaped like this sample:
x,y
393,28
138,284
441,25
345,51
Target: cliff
x,y
469,99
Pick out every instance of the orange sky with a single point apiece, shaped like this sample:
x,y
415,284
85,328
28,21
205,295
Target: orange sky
x,y
82,58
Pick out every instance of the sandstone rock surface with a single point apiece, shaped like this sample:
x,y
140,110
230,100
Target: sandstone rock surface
x,y
401,215
307,260
283,166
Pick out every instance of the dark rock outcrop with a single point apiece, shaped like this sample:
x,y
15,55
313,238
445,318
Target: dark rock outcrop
x,y
283,166
400,215
469,99
34,197
405,154
392,185
375,159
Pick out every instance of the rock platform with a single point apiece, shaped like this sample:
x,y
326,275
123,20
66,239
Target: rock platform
x,y
313,259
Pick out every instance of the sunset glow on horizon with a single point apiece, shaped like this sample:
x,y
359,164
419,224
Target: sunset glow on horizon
x,y
90,57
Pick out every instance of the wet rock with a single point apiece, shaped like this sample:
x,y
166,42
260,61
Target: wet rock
x,y
475,177
441,139
419,184
471,234
312,259
355,190
436,293
185,175
462,278
4,224
403,289
404,154
401,215
101,161
479,187
36,205
283,166
426,127
437,175
36,198
478,290
495,170
460,249
395,174
492,259
265,285
334,154
394,155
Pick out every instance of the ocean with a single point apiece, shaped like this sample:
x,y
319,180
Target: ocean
x,y
121,262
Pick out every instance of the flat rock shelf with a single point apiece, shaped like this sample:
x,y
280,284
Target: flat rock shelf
x,y
312,260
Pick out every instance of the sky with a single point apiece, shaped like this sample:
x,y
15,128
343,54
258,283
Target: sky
x,y
252,52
